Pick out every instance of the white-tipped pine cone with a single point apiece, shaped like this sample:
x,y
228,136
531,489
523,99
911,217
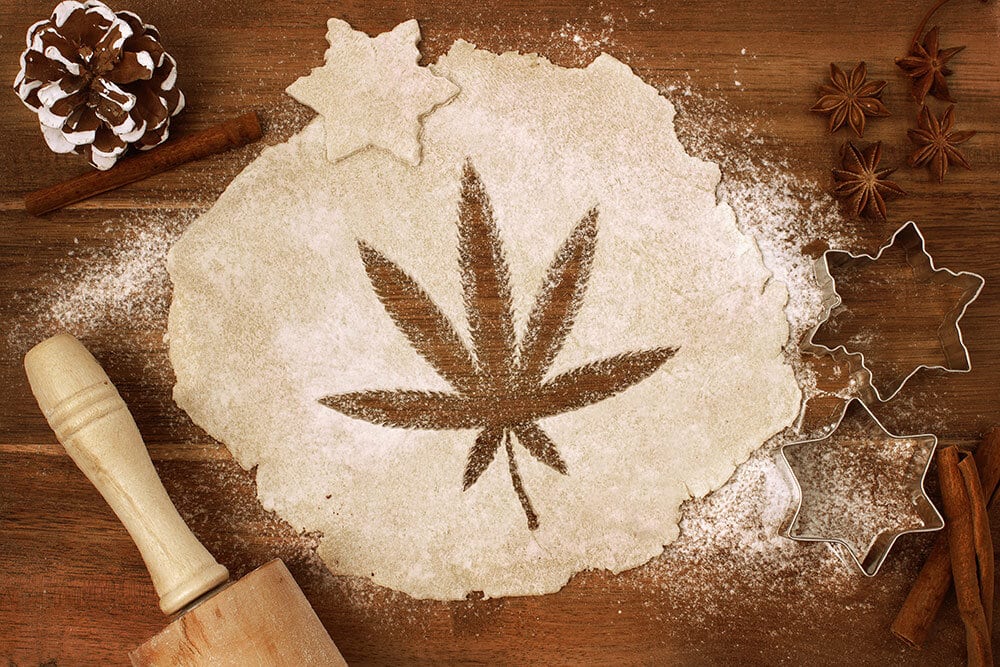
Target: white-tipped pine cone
x,y
99,81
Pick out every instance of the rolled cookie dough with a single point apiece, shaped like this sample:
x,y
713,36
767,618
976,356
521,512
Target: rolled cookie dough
x,y
272,310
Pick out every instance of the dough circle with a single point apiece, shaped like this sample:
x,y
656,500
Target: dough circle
x,y
272,310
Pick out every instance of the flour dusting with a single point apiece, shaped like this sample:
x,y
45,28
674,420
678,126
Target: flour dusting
x,y
125,288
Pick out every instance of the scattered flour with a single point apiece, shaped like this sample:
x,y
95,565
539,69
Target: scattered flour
x,y
122,288
735,535
585,36
854,485
781,210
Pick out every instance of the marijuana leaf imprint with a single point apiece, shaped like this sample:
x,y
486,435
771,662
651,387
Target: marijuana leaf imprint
x,y
500,389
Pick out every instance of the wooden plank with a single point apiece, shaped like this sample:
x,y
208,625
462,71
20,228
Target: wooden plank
x,y
73,588
77,584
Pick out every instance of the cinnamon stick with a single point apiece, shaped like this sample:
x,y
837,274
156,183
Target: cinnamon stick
x,y
987,456
913,622
230,134
964,567
982,539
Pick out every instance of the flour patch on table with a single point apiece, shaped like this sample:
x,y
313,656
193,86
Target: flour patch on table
x,y
296,293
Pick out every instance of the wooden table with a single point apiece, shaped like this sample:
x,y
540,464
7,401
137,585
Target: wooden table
x,y
72,587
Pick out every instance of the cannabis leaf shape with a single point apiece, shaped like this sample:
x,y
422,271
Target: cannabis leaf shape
x,y
500,387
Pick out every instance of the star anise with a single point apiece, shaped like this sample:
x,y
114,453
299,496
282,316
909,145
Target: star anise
x,y
862,184
500,389
936,143
850,98
926,65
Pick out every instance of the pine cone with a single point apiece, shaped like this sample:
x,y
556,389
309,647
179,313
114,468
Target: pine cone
x,y
99,82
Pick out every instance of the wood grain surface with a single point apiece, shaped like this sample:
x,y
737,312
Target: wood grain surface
x,y
73,590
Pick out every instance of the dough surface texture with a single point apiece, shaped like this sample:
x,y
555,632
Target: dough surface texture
x,y
371,92
273,310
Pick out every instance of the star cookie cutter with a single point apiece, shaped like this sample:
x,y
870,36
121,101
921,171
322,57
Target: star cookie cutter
x,y
871,559
911,240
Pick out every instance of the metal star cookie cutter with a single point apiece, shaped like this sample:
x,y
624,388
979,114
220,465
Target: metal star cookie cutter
x,y
911,240
879,547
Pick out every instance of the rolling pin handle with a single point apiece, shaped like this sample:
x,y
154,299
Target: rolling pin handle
x,y
95,426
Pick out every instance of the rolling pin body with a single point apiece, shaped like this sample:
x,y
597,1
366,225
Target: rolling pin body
x,y
262,619
93,423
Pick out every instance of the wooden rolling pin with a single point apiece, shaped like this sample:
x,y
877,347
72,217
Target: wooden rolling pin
x,y
262,619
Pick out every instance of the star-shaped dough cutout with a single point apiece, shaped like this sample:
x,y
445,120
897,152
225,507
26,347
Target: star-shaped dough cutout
x,y
372,92
861,487
926,304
